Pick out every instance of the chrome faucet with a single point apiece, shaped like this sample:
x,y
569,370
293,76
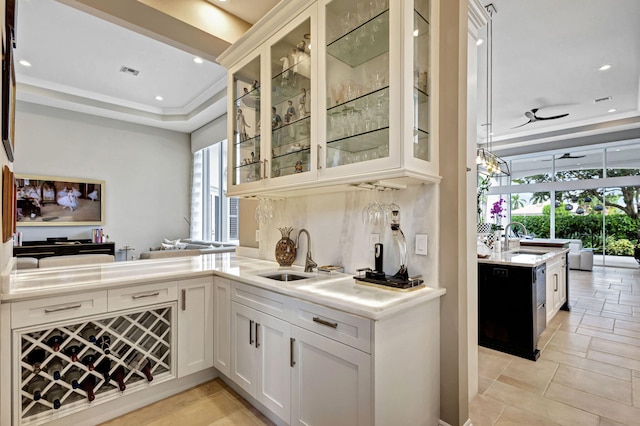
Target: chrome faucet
x,y
309,264
506,234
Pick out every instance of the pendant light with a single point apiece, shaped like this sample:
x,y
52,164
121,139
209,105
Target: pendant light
x,y
487,162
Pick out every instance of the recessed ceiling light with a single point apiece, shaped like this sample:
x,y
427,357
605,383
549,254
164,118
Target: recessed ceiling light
x,y
479,42
24,63
617,149
612,110
605,67
198,60
159,98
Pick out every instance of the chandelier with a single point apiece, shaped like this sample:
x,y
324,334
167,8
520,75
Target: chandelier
x,y
487,162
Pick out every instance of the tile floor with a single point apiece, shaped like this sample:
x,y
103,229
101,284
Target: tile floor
x,y
588,372
211,403
589,369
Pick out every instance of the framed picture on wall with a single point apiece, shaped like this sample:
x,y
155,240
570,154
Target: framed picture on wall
x,y
8,204
8,95
57,201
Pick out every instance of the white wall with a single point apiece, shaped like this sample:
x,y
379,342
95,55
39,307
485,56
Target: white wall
x,y
146,172
339,236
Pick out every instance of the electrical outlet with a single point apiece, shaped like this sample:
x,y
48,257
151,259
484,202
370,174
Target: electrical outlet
x,y
257,235
421,244
373,240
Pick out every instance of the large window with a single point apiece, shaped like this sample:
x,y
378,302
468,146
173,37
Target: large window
x,y
214,217
591,194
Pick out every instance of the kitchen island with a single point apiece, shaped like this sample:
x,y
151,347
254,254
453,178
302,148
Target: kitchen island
x,y
283,345
519,292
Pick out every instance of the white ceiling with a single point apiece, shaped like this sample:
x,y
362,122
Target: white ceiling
x,y
546,55
75,64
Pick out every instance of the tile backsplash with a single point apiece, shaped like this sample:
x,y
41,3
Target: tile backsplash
x,y
339,235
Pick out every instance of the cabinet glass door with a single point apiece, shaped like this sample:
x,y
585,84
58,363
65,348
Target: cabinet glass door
x,y
291,102
246,128
421,86
357,70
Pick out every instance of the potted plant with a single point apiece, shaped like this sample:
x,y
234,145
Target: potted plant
x,y
484,182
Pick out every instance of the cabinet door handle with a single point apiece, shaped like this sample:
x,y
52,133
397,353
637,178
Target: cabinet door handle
x,y
325,322
141,296
291,342
266,165
319,153
62,308
555,284
184,299
257,335
251,332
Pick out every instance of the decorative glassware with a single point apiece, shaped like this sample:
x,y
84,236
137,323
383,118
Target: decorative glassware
x,y
285,248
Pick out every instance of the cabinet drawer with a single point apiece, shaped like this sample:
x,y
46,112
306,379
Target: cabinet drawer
x,y
51,309
346,328
262,300
142,295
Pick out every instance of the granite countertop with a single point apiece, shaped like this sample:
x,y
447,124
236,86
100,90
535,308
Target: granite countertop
x,y
335,290
524,256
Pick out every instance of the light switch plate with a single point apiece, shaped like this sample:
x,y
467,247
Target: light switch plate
x,y
421,244
373,240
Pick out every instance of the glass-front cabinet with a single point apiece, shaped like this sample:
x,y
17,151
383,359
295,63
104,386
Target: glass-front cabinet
x,y
347,86
244,151
357,81
291,109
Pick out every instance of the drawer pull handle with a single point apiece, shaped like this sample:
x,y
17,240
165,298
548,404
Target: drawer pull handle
x,y
325,322
63,308
291,342
140,296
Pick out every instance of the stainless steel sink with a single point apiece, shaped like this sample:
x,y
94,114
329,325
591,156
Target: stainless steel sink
x,y
284,276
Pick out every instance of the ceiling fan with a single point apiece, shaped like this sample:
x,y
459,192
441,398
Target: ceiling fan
x,y
531,115
565,156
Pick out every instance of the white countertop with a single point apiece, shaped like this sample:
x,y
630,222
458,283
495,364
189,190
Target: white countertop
x,y
524,256
334,290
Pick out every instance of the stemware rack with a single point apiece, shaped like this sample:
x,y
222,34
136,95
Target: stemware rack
x,y
139,349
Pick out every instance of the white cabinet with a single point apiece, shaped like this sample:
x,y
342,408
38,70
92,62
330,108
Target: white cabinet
x,y
222,325
260,351
330,382
556,285
315,365
348,88
195,325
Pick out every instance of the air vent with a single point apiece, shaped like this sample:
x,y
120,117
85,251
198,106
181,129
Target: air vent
x,y
129,71
608,98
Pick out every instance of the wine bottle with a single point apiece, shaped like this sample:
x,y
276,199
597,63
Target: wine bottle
x,y
89,334
104,367
118,376
89,359
72,351
54,342
104,343
55,369
35,388
35,358
73,376
55,395
88,385
143,365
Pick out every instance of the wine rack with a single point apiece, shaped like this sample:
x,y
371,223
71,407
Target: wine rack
x,y
112,354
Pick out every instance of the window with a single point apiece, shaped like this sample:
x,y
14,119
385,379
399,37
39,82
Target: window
x,y
214,217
